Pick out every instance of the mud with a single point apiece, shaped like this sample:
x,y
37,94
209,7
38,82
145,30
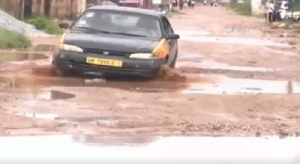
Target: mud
x,y
44,47
47,70
168,74
19,56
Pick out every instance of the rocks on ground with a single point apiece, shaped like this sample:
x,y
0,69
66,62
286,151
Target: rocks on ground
x,y
9,22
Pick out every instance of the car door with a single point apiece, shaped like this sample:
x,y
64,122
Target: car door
x,y
172,42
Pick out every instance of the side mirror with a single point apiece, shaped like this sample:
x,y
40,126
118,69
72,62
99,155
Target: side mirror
x,y
172,36
65,25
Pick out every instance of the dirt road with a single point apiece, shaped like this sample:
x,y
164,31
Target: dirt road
x,y
239,83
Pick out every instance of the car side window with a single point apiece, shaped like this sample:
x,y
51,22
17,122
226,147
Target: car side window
x,y
167,26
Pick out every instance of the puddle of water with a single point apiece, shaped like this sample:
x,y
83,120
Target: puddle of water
x,y
13,56
70,119
45,95
233,40
216,66
52,95
134,85
164,149
45,116
244,86
82,119
296,87
102,140
58,95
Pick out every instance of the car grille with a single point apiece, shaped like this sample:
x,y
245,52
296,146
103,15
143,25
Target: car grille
x,y
111,53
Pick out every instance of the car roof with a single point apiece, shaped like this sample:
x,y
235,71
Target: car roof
x,y
128,9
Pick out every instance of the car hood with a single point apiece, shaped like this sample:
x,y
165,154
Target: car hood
x,y
113,42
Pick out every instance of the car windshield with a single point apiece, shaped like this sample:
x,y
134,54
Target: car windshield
x,y
123,23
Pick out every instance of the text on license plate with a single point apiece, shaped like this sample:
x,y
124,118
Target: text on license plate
x,y
104,62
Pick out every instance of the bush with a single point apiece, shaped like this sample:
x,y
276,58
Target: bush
x,y
46,25
242,8
296,5
10,39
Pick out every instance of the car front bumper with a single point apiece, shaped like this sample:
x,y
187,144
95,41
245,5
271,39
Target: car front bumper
x,y
75,62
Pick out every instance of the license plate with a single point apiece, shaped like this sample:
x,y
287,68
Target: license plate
x,y
104,62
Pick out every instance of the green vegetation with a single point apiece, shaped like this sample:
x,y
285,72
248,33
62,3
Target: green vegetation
x,y
242,8
10,39
45,24
296,5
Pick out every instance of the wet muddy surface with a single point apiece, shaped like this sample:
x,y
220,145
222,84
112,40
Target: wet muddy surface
x,y
19,56
44,47
227,82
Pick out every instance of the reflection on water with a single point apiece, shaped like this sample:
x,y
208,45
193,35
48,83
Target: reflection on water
x,y
235,86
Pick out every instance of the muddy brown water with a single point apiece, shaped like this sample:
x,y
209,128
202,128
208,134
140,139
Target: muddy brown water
x,y
18,56
130,85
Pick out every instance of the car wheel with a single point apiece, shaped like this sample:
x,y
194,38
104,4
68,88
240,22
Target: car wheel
x,y
173,63
63,73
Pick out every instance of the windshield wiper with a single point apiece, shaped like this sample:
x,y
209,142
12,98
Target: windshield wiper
x,y
108,32
92,29
121,33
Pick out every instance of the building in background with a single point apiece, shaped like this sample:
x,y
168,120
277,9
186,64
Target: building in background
x,y
59,9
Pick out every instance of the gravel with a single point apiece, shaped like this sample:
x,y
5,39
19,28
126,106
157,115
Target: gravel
x,y
9,22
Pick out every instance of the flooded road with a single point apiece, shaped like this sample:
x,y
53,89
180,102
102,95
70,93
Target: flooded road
x,y
227,82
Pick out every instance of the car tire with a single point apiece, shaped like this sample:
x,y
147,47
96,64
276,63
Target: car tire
x,y
173,63
63,73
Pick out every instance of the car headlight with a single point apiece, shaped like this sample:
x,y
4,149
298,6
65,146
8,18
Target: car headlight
x,y
142,56
67,47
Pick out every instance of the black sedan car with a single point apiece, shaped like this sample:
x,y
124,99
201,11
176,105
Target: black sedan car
x,y
117,40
